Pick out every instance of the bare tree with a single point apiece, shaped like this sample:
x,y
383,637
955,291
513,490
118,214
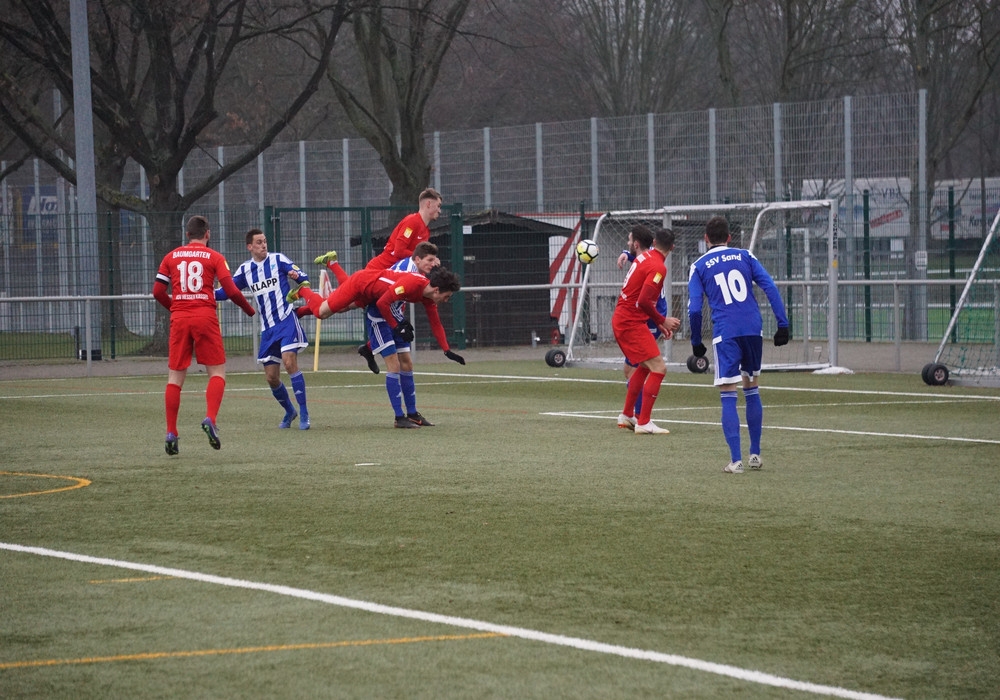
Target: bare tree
x,y
501,71
156,71
793,50
399,51
951,49
627,57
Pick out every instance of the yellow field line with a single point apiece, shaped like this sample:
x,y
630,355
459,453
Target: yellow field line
x,y
80,483
150,656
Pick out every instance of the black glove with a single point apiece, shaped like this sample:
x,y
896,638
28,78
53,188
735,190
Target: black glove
x,y
781,337
454,357
699,350
404,332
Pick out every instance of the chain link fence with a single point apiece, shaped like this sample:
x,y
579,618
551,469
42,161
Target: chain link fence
x,y
519,193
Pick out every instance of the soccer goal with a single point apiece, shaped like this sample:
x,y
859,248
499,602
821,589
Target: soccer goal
x,y
969,353
796,242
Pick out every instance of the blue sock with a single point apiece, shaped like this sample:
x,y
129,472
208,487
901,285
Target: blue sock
x,y
281,394
299,387
409,388
731,424
393,389
755,417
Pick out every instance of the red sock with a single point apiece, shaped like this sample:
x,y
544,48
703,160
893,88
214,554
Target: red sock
x,y
312,300
635,383
338,272
213,396
650,390
302,311
172,399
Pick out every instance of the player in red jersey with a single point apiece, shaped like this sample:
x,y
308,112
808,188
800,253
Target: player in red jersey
x,y
382,288
408,232
190,273
402,241
637,305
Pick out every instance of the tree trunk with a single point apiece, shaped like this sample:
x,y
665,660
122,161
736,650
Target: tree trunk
x,y
166,231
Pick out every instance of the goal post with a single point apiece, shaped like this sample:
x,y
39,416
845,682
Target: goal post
x,y
796,241
969,352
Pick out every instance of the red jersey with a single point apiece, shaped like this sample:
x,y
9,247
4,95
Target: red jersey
x,y
383,288
641,289
402,242
190,272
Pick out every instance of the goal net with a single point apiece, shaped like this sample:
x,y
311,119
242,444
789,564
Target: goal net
x,y
795,241
969,352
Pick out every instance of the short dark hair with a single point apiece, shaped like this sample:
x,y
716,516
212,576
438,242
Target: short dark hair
x,y
642,235
424,248
197,226
253,232
445,280
717,230
665,238
429,193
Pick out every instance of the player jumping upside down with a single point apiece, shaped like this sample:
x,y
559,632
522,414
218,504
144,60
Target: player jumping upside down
x,y
380,290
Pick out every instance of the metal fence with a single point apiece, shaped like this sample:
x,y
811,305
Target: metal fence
x,y
866,153
517,275
741,154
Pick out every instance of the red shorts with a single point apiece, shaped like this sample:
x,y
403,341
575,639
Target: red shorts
x,y
635,340
195,335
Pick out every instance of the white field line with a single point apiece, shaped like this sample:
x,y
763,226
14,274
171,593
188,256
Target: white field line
x,y
466,623
463,378
667,384
715,424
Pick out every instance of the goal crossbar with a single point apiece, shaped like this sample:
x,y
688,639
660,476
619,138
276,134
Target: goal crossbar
x,y
666,213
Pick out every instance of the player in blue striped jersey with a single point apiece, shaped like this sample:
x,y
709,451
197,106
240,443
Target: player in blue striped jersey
x,y
269,277
726,276
396,354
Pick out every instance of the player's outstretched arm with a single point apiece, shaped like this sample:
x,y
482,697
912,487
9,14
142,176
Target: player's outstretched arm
x,y
236,296
437,329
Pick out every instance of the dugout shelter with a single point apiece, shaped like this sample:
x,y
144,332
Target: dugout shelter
x,y
495,252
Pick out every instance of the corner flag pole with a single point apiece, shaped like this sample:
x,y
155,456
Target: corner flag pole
x,y
325,288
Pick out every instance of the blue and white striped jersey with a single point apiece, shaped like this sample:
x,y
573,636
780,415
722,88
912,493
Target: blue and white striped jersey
x,y
268,281
726,276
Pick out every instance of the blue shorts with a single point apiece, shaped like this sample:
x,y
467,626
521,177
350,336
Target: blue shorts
x,y
380,334
286,336
738,357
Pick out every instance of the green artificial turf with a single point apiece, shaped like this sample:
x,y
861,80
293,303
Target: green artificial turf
x,y
863,556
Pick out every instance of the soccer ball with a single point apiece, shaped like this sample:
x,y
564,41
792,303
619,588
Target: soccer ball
x,y
587,250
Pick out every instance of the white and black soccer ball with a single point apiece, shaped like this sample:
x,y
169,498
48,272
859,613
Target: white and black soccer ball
x,y
587,251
